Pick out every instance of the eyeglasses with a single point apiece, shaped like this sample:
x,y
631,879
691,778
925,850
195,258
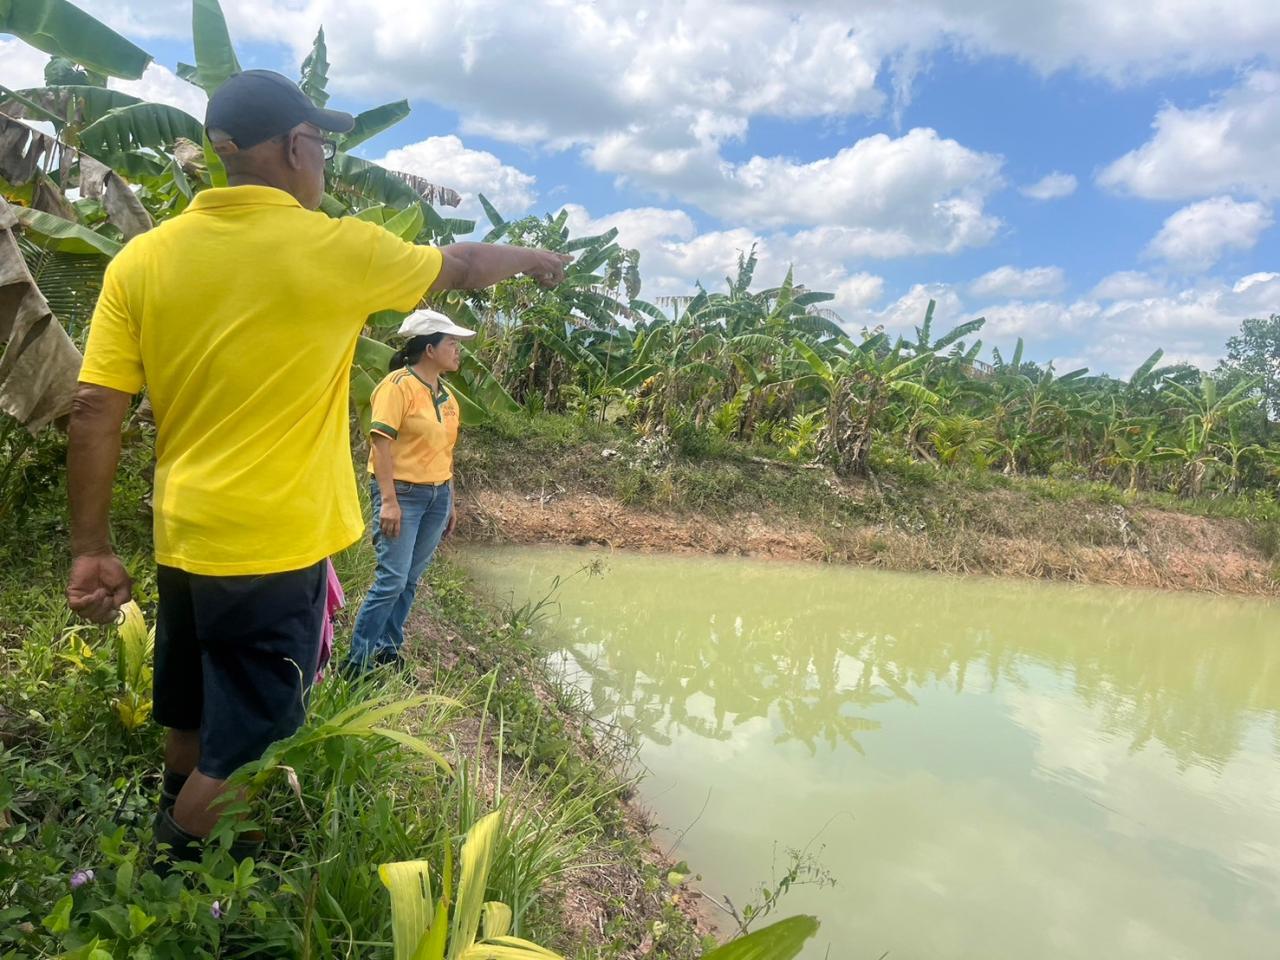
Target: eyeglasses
x,y
328,147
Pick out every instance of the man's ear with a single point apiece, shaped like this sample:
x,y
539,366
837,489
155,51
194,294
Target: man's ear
x,y
224,148
291,155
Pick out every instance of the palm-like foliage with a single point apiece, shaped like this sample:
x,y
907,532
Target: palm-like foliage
x,y
770,364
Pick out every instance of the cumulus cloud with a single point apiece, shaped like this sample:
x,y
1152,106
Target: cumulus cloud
x,y
1227,146
880,197
1019,284
1196,237
1252,280
920,185
1127,285
1051,187
21,66
675,255
1191,324
771,38
1117,41
447,162
161,85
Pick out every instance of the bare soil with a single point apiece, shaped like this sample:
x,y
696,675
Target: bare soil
x,y
1095,543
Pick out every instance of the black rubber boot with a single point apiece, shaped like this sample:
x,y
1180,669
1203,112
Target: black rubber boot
x,y
170,787
184,847
173,844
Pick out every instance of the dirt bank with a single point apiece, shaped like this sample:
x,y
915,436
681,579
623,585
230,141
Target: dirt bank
x,y
1090,543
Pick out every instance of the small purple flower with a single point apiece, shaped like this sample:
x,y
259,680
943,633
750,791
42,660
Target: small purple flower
x,y
80,878
216,910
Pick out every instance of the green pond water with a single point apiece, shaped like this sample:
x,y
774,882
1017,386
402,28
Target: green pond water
x,y
990,768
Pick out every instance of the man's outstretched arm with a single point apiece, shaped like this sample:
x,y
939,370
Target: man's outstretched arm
x,y
98,585
474,266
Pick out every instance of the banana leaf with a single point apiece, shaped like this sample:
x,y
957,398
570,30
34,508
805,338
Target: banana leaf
x,y
215,55
372,122
38,361
490,211
69,282
367,370
649,310
963,330
76,103
56,233
406,224
64,30
315,72
586,243
372,182
124,130
480,394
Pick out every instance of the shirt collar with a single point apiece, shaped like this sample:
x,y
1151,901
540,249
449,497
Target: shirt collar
x,y
439,396
247,195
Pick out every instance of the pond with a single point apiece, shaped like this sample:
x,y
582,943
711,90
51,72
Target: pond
x,y
987,768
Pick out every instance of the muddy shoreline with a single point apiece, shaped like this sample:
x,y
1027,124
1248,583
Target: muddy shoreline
x,y
1151,548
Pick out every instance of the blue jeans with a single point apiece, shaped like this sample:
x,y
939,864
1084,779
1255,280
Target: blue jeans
x,y
424,514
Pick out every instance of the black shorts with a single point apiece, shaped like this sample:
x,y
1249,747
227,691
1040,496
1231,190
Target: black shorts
x,y
235,657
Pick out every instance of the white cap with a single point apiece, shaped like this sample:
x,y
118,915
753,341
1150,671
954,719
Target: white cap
x,y
422,323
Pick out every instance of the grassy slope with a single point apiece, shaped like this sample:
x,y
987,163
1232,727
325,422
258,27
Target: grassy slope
x,y
77,790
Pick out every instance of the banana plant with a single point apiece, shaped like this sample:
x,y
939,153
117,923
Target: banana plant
x,y
64,30
857,382
1235,452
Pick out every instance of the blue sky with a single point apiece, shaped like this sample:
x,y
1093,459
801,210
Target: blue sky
x,y
891,153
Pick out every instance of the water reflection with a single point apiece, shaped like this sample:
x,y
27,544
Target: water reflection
x,y
706,652
1004,769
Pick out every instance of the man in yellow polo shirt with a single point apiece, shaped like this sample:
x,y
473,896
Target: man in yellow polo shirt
x,y
241,317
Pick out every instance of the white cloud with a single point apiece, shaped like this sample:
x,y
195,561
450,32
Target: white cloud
x,y
1127,285
880,197
1252,280
826,43
857,292
1038,321
1228,146
927,188
1196,237
674,256
447,162
1191,324
21,66
1119,41
161,85
1051,187
1019,284
652,94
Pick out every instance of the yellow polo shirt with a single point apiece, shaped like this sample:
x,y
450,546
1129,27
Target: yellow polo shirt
x,y
241,316
422,424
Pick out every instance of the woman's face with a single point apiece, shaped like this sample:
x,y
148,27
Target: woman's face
x,y
448,353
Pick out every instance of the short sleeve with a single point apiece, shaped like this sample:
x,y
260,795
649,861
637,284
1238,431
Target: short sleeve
x,y
113,352
387,411
399,273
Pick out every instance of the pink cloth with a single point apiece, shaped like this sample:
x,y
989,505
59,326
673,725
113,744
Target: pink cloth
x,y
335,600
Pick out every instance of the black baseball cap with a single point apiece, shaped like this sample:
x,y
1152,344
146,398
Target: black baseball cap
x,y
256,105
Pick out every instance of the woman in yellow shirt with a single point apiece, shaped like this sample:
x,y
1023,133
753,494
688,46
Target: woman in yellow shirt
x,y
413,431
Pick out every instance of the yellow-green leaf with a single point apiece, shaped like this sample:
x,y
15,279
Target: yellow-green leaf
x,y
416,744
409,883
495,919
477,857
